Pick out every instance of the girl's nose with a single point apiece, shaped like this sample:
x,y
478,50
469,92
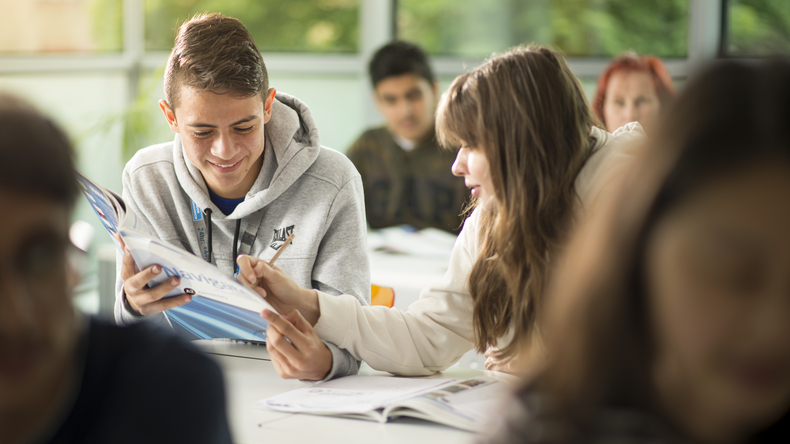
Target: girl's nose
x,y
459,166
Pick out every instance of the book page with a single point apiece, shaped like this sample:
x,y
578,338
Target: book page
x,y
109,207
198,277
468,405
352,394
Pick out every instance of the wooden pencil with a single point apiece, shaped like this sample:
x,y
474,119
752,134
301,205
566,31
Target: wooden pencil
x,y
281,249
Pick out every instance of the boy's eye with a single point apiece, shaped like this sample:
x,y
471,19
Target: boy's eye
x,y
201,134
414,96
244,130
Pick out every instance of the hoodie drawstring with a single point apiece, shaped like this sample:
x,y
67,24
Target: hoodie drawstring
x,y
207,213
235,247
209,247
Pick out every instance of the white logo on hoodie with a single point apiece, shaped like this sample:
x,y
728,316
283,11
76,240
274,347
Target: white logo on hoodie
x,y
280,235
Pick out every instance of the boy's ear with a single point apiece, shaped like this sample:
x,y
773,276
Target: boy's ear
x,y
170,116
267,105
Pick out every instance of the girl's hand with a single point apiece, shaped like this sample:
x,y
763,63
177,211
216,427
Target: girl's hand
x,y
278,288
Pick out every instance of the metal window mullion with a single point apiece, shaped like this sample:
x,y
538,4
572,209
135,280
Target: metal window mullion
x,y
133,22
376,28
705,27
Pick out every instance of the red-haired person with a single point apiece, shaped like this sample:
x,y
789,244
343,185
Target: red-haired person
x,y
633,88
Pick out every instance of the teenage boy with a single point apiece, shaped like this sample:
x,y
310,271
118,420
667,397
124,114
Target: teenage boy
x,y
66,378
406,175
246,163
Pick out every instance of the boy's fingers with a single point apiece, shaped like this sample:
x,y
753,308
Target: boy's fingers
x,y
151,295
120,241
127,270
166,304
138,281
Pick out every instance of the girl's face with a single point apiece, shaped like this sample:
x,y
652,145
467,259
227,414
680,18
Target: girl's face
x,y
630,97
471,164
718,280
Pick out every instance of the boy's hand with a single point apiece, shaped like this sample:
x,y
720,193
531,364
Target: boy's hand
x,y
305,356
278,288
147,301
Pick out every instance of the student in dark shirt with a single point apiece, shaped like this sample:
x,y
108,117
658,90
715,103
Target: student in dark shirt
x,y
406,175
670,314
66,378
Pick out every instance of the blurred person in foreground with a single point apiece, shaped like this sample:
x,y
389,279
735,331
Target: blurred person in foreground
x,y
406,174
633,88
670,316
65,377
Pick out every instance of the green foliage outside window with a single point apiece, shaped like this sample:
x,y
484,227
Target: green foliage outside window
x,y
579,28
106,26
758,27
277,25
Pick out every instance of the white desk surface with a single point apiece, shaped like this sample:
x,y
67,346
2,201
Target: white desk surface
x,y
253,378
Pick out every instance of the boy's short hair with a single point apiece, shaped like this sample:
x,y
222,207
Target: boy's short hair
x,y
215,53
37,155
397,58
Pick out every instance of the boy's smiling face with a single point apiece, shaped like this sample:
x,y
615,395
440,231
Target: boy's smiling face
x,y
223,136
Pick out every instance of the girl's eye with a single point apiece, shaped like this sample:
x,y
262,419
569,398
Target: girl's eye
x,y
244,130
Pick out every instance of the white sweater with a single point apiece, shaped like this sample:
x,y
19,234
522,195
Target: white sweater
x,y
437,329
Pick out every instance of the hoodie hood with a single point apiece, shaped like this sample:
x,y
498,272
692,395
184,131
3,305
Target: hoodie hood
x,y
292,144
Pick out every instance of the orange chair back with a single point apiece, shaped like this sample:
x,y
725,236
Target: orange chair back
x,y
382,295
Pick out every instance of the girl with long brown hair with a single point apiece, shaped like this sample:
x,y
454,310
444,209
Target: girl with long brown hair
x,y
532,158
669,319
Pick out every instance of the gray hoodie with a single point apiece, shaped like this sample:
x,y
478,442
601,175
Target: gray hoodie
x,y
303,188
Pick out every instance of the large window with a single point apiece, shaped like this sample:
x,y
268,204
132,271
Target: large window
x,y
757,28
60,26
579,28
317,26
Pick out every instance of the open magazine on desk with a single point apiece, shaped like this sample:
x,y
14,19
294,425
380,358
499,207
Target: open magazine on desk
x,y
468,404
221,306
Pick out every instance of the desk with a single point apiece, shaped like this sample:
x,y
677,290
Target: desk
x,y
408,260
250,379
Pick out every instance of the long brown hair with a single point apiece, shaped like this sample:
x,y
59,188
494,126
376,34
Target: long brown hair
x,y
529,114
597,325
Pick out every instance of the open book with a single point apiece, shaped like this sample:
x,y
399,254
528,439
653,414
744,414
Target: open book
x,y
465,404
221,307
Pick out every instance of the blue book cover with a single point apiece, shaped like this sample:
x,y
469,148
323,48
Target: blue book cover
x,y
221,306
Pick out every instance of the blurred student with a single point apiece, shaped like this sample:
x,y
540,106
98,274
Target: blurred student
x,y
66,378
247,165
405,173
671,313
633,88
532,159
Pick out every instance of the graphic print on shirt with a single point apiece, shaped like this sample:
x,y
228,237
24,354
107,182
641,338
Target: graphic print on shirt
x,y
280,235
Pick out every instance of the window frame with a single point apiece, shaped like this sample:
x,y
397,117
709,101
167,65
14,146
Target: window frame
x,y
707,29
